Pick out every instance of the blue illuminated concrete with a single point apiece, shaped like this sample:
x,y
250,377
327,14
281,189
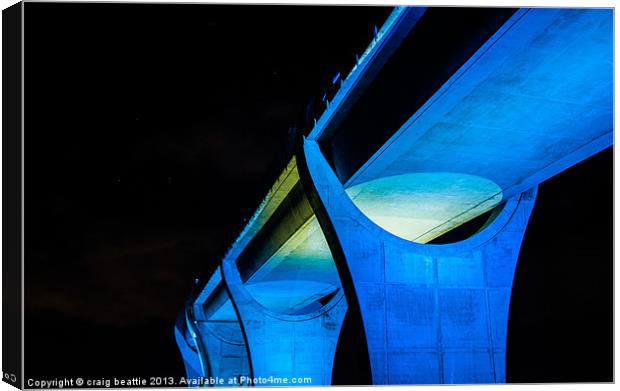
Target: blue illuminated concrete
x,y
412,205
194,366
431,313
287,346
534,100
289,312
298,274
218,334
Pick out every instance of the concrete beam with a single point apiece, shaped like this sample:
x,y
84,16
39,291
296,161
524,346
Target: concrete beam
x,y
534,100
394,30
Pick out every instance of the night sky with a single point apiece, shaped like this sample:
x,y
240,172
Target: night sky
x,y
152,132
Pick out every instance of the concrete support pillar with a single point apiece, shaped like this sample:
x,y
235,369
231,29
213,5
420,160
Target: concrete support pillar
x,y
186,340
214,349
299,347
225,351
431,313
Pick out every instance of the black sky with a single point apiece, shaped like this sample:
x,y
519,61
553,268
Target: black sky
x,y
153,131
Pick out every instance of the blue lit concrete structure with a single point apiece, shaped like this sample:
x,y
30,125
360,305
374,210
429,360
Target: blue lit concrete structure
x,y
218,333
533,100
275,307
431,313
289,347
186,342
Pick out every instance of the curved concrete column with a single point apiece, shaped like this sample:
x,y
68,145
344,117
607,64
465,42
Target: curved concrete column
x,y
186,340
218,337
299,347
431,313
